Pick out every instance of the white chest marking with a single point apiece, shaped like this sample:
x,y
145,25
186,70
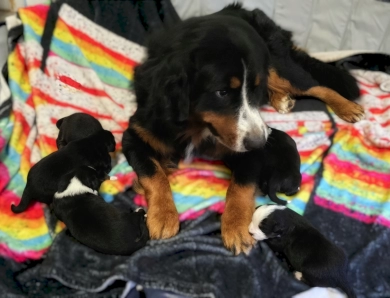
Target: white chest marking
x,y
260,214
75,187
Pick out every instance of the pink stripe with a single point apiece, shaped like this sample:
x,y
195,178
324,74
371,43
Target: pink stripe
x,y
360,173
191,214
353,214
22,256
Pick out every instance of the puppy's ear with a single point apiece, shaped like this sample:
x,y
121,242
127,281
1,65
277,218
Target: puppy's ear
x,y
59,122
92,181
165,84
109,141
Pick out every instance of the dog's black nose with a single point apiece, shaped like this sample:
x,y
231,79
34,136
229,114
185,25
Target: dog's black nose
x,y
254,143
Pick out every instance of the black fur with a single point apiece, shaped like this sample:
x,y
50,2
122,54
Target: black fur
x,y
75,127
185,68
276,166
187,64
188,74
321,262
97,224
44,176
279,166
296,66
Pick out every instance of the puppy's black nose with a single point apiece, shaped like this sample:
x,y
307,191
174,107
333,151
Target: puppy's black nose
x,y
252,143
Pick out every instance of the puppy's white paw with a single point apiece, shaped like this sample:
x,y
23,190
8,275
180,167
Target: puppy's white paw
x,y
298,275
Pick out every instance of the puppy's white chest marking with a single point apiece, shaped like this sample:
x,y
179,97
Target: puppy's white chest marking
x,y
260,214
74,188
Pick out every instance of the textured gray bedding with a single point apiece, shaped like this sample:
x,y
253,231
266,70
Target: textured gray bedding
x,y
318,25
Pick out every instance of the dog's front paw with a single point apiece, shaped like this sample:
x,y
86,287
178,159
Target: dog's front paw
x,y
163,222
349,111
235,234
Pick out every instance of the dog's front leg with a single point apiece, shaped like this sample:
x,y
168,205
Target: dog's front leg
x,y
162,219
240,205
237,216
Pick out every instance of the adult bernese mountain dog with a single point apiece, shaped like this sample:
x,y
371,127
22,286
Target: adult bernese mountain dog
x,y
200,90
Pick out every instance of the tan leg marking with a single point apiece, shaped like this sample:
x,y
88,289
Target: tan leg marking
x,y
345,109
240,205
163,219
280,89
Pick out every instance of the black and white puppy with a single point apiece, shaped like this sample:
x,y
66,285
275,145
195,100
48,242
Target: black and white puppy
x,y
317,261
76,127
279,165
44,176
92,221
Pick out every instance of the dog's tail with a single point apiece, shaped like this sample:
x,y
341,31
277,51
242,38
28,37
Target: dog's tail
x,y
328,75
274,198
24,202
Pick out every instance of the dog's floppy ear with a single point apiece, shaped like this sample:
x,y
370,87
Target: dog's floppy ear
x,y
59,122
164,82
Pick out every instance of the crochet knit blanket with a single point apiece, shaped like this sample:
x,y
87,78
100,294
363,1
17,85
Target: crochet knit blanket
x,y
87,68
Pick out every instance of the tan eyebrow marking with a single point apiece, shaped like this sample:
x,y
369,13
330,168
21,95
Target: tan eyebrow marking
x,y
257,80
235,83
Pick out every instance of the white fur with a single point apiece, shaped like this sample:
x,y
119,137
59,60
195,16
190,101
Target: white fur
x,y
249,118
113,178
74,188
298,275
260,214
189,153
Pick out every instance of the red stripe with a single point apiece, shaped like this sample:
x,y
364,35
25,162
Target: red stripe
x,y
69,81
121,59
96,92
379,110
19,118
368,92
54,101
368,85
387,123
49,141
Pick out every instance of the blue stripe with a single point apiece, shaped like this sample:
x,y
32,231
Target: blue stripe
x,y
29,33
326,190
17,92
364,160
32,243
103,72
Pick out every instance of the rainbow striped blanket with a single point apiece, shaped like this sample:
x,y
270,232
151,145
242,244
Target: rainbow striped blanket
x,y
346,168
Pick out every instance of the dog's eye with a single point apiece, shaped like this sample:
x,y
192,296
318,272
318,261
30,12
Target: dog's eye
x,y
221,93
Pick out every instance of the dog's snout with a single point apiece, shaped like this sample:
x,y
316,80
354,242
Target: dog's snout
x,y
252,143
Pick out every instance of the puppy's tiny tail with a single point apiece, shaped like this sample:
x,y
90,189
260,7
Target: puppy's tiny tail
x,y
23,204
274,198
